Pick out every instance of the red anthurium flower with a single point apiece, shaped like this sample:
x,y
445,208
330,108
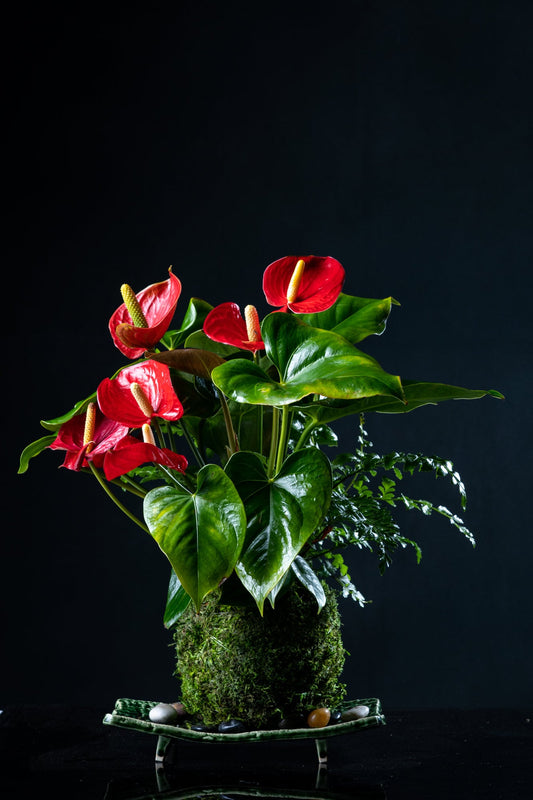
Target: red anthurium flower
x,y
130,453
226,324
138,394
140,322
303,284
87,437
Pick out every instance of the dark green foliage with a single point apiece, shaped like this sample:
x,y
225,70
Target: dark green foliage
x,y
361,514
234,663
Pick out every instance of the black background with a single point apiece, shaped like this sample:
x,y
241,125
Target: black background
x,y
217,137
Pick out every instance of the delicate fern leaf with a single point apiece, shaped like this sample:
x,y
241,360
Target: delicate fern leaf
x,y
386,491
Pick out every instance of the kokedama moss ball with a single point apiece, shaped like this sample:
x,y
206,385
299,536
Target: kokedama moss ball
x,y
234,664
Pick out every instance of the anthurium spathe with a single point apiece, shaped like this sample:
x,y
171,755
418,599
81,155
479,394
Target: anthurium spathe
x,y
140,322
85,442
303,284
138,394
227,325
129,453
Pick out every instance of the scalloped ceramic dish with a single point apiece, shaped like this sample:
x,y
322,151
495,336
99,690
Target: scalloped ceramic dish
x,y
133,715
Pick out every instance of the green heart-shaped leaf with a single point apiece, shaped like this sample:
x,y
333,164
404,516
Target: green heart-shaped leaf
x,y
200,532
309,361
282,513
354,318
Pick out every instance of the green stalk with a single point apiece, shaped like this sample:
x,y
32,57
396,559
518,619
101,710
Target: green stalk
x,y
261,427
305,434
273,441
125,482
117,502
190,441
282,444
159,431
170,435
170,474
232,439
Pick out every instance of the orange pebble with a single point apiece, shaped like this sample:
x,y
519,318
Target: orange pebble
x,y
319,718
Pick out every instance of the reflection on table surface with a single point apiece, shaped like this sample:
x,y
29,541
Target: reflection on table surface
x,y
288,772
66,752
176,788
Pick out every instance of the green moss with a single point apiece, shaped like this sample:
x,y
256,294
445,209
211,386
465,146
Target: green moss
x,y
234,664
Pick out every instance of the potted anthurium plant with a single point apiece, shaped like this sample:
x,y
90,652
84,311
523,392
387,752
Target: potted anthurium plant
x,y
219,428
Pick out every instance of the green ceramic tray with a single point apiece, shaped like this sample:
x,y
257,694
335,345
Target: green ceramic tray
x,y
133,715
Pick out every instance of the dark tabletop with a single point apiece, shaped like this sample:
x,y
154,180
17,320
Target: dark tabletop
x,y
64,752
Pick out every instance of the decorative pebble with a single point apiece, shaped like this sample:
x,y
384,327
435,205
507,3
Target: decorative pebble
x,y
180,709
319,718
232,726
356,712
164,713
201,727
335,717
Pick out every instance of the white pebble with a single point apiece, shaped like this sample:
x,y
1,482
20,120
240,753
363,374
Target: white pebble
x,y
356,712
164,713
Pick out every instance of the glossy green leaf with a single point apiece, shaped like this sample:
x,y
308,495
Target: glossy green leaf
x,y
200,340
193,320
309,361
308,578
416,394
177,601
200,532
282,513
281,586
354,318
57,422
33,450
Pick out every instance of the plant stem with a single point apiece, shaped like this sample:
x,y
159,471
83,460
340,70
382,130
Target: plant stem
x,y
129,485
282,444
117,502
305,434
190,441
351,476
273,441
261,428
232,439
159,430
170,474
170,435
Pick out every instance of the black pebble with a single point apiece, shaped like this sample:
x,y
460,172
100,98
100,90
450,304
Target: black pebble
x,y
201,727
335,717
232,726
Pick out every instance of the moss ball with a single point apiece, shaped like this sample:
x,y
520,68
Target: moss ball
x,y
234,663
